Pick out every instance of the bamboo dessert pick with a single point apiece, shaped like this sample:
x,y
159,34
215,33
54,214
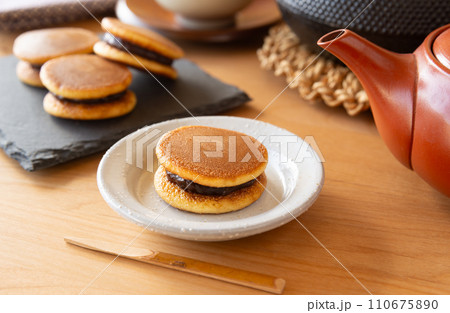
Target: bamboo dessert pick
x,y
220,272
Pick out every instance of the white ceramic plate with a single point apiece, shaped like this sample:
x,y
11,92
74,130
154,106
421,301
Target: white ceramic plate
x,y
294,179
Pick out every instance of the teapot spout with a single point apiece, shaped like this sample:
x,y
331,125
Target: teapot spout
x,y
389,80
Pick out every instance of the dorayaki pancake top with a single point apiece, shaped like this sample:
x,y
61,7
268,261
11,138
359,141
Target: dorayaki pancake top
x,y
39,46
84,77
182,152
142,37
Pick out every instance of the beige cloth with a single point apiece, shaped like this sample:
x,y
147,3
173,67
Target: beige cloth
x,y
30,14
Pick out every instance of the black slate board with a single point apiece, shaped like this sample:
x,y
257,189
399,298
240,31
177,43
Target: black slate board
x,y
38,140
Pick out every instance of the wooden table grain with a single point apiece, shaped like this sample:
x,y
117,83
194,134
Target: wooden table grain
x,y
381,221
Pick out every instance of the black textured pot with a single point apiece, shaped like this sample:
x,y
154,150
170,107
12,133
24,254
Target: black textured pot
x,y
397,25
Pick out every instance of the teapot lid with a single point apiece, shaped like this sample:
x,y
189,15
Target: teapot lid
x,y
441,48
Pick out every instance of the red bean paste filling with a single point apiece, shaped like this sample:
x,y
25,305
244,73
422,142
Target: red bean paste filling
x,y
110,98
190,186
127,46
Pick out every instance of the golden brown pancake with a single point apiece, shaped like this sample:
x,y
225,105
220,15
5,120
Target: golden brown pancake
x,y
39,46
198,203
142,37
28,74
237,165
86,87
88,111
84,77
36,47
138,47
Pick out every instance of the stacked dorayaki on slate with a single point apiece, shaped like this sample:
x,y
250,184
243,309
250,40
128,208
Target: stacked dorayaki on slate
x,y
138,47
91,87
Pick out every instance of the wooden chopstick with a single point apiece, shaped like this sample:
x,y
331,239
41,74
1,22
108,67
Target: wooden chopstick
x,y
220,272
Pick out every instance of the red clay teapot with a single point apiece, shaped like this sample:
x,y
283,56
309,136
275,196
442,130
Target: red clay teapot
x,y
409,96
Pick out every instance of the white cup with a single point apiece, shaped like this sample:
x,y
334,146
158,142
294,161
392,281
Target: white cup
x,y
204,14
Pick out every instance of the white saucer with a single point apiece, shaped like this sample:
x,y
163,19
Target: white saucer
x,y
294,180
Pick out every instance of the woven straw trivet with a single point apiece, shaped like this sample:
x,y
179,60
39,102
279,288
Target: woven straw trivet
x,y
335,84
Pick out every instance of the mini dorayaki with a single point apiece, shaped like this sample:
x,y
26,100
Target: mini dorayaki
x,y
138,47
36,47
209,170
86,87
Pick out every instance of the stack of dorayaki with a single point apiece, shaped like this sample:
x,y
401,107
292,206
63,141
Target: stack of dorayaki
x,y
86,86
207,176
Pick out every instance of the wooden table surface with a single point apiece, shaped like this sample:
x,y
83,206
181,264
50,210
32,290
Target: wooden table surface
x,y
381,221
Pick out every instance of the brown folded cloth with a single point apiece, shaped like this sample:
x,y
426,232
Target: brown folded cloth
x,y
29,14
